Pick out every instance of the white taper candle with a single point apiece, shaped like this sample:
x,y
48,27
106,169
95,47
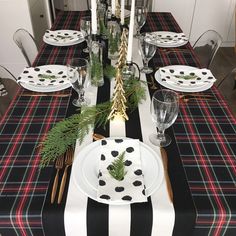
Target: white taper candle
x,y
122,13
94,16
113,7
131,32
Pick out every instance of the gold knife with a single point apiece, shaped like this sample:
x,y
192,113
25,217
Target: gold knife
x,y
44,95
165,165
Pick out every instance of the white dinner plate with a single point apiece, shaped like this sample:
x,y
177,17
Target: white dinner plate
x,y
178,87
173,42
86,166
73,33
43,88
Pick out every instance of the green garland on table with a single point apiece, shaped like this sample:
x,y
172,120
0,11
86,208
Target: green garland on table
x,y
65,133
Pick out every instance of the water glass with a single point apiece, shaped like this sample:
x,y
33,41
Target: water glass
x,y
85,28
147,51
140,16
77,71
164,111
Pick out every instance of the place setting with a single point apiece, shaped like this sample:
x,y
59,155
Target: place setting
x,y
63,37
185,78
46,78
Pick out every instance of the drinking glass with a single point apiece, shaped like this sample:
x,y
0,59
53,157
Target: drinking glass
x,y
164,111
85,28
147,51
140,16
77,71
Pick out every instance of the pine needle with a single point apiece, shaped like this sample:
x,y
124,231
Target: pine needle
x,y
117,170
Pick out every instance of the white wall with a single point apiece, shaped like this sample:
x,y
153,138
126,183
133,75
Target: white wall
x,y
197,16
14,14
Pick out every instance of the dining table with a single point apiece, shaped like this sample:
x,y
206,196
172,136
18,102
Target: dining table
x,y
201,157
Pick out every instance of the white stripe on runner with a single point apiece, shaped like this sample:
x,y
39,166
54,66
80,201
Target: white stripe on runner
x,y
119,216
75,214
163,209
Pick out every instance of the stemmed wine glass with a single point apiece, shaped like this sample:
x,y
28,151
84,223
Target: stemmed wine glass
x,y
164,111
147,51
77,71
140,16
85,28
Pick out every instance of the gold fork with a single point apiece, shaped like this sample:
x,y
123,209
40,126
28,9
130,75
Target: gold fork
x,y
58,166
68,162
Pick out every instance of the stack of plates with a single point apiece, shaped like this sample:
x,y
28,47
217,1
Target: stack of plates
x,y
167,39
48,78
201,83
63,37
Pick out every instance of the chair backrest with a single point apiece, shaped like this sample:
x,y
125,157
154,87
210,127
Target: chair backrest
x,y
206,47
5,74
229,80
27,44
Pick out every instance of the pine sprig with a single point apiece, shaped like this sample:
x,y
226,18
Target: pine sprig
x,y
65,133
134,92
117,168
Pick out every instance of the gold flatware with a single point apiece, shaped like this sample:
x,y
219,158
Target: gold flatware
x,y
68,162
173,50
195,95
197,99
98,136
165,165
44,95
153,83
58,166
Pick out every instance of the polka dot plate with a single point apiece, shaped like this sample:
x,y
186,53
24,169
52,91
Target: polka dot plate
x,y
178,84
47,78
63,37
168,39
86,166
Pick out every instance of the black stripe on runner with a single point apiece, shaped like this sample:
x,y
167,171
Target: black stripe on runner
x,y
141,213
98,213
185,215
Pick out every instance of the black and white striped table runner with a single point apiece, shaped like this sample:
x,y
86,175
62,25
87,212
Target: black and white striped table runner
x,y
86,217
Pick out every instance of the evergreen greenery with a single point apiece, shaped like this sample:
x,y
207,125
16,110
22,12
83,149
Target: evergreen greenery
x,y
109,71
65,133
96,69
117,170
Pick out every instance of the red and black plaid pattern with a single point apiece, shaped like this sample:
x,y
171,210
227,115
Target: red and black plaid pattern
x,y
204,131
23,186
205,135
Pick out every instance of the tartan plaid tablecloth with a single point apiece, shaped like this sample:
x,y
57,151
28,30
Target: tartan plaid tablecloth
x,y
204,132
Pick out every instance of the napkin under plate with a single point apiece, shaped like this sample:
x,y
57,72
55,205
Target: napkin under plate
x,y
182,77
45,75
132,187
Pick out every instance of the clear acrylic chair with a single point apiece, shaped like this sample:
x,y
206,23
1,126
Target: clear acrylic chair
x,y
229,81
206,47
5,74
27,44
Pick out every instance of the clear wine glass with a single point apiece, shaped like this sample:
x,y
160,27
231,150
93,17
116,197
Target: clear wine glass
x,y
164,111
140,16
85,28
77,71
147,51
